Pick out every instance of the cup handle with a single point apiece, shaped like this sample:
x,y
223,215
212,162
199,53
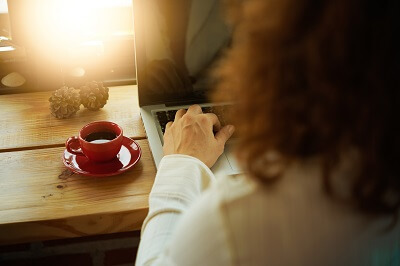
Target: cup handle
x,y
73,140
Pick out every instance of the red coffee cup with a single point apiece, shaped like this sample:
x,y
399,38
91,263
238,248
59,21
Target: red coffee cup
x,y
99,141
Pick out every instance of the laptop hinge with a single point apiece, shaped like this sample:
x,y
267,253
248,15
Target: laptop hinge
x,y
186,102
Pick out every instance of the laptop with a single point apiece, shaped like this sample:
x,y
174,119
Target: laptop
x,y
177,44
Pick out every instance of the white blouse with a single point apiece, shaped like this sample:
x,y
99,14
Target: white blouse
x,y
197,219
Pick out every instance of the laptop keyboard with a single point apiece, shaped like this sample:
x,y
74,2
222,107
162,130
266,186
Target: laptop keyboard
x,y
164,117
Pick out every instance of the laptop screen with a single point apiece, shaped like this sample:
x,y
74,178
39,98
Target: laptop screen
x,y
178,42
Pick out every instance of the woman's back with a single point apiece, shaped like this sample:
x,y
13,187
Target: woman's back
x,y
239,222
297,224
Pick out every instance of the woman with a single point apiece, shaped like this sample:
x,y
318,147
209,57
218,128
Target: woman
x,y
317,89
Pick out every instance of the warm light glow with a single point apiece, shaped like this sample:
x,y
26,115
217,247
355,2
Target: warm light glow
x,y
85,19
6,48
3,7
69,23
77,72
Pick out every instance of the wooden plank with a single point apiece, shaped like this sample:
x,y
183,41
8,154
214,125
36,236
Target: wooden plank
x,y
41,199
26,122
95,224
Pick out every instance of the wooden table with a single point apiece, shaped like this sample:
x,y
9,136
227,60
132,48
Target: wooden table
x,y
39,198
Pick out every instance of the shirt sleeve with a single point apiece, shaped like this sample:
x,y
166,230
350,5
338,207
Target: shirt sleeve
x,y
179,182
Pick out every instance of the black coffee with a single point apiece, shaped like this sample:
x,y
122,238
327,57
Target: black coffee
x,y
100,137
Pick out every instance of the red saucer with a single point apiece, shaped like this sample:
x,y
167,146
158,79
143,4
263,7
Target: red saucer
x,y
127,157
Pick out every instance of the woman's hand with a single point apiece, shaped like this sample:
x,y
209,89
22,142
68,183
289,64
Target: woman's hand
x,y
192,134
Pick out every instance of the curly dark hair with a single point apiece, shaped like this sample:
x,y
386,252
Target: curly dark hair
x,y
314,78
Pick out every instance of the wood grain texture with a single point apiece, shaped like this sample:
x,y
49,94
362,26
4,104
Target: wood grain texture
x,y
95,224
26,122
40,199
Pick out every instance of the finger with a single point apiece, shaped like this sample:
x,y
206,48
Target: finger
x,y
167,127
215,121
224,134
195,110
180,113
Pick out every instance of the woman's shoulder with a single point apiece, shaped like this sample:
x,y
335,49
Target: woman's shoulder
x,y
233,187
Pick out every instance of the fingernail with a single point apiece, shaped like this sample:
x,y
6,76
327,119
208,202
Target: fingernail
x,y
231,129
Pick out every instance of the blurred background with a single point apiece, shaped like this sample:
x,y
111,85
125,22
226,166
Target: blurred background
x,y
45,43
